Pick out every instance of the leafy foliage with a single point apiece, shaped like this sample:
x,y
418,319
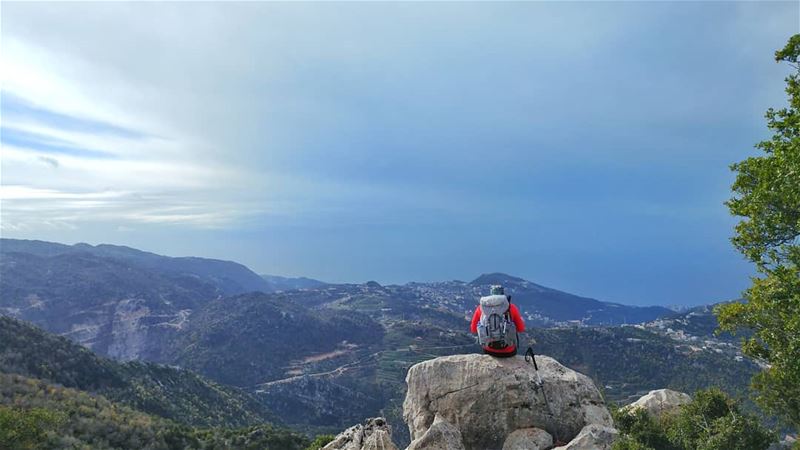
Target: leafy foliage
x,y
36,414
712,421
767,197
640,430
320,441
26,428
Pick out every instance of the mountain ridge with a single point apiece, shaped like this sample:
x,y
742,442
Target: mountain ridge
x,y
235,278
279,283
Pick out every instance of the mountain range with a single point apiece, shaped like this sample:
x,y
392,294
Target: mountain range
x,y
227,276
322,355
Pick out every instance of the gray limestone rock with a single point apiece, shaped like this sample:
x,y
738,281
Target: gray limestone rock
x,y
441,435
661,401
592,437
373,434
488,398
528,439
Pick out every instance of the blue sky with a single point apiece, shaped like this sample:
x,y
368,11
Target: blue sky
x,y
584,146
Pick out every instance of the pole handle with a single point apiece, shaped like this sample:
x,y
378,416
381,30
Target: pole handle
x,y
529,354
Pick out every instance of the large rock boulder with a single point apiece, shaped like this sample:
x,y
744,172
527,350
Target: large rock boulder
x,y
592,437
441,435
488,398
528,439
373,434
661,401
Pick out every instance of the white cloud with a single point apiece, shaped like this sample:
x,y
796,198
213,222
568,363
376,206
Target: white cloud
x,y
300,109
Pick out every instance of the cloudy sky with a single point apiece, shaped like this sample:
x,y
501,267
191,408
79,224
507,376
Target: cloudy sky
x,y
583,146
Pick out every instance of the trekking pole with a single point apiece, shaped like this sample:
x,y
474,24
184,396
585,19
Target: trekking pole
x,y
539,382
529,354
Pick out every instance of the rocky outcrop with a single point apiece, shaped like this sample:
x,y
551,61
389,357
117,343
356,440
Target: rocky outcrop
x,y
661,401
488,399
528,439
592,437
442,435
374,434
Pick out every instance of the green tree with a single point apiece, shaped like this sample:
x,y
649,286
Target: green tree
x,y
27,429
712,421
641,431
766,194
320,441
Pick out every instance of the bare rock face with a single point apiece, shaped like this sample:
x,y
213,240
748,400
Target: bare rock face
x,y
128,332
374,434
442,435
592,437
487,399
379,440
661,401
528,439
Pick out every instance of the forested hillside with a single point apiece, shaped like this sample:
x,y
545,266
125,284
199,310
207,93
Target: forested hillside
x,y
35,414
171,393
252,338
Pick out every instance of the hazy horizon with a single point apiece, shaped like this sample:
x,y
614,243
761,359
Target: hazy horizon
x,y
467,279
581,146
